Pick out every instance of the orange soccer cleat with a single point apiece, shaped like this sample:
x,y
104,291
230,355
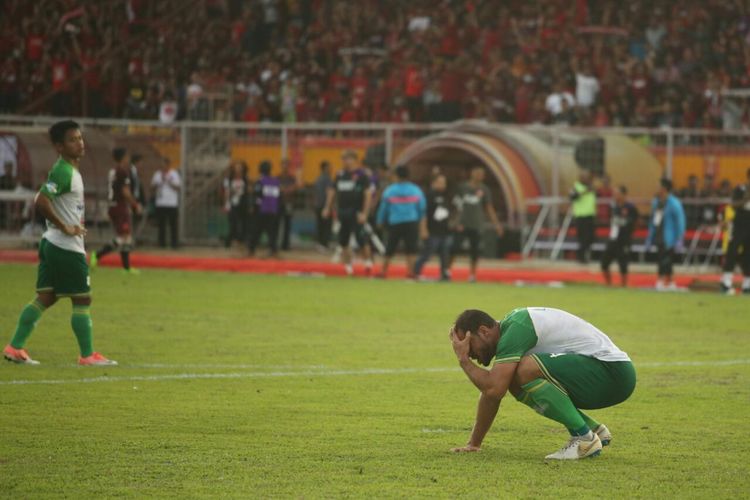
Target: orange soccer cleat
x,y
19,356
96,359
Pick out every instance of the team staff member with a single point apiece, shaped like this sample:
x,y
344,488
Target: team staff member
x,y
666,230
740,238
166,185
435,229
267,210
402,209
551,361
352,194
623,218
121,200
583,199
473,199
62,270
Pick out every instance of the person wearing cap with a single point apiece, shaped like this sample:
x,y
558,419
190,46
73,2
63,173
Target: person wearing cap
x,y
352,194
402,209
666,229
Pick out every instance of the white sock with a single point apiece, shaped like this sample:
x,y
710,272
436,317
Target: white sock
x,y
746,283
726,280
368,263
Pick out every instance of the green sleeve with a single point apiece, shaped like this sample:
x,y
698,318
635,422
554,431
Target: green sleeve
x,y
58,182
516,339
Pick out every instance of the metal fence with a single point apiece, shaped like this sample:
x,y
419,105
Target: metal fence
x,y
202,152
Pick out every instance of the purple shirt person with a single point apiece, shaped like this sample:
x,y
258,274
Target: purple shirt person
x,y
267,194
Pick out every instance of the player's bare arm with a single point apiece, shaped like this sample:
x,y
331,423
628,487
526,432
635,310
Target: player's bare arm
x,y
493,385
330,195
492,214
362,216
128,195
43,205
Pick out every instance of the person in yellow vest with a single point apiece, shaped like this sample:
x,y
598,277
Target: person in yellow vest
x,y
726,227
583,199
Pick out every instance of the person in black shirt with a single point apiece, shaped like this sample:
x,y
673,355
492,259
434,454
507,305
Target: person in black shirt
x,y
623,218
435,228
740,239
352,193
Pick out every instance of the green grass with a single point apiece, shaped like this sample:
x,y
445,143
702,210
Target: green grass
x,y
306,431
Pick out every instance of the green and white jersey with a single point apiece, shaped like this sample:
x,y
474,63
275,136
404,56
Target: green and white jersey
x,y
544,330
64,188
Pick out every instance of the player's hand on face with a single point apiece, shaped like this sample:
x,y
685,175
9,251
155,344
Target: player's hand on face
x,y
461,347
465,449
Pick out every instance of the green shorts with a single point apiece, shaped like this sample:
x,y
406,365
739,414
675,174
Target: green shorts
x,y
589,382
61,271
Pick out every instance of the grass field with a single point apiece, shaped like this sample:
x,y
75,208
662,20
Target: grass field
x,y
268,386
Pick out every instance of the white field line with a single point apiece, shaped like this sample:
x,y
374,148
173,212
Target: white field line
x,y
316,373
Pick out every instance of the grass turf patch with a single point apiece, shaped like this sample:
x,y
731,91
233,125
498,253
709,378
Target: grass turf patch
x,y
246,385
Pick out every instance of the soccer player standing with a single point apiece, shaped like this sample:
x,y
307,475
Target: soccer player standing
x,y
472,199
121,200
623,217
550,360
740,238
62,270
351,190
267,210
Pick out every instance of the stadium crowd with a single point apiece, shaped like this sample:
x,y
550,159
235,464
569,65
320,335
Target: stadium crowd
x,y
636,63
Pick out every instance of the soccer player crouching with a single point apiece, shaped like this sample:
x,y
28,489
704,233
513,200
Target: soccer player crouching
x,y
551,361
62,270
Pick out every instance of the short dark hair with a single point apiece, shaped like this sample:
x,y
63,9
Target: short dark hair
x,y
402,172
325,164
58,130
623,189
265,167
136,158
119,153
666,184
471,319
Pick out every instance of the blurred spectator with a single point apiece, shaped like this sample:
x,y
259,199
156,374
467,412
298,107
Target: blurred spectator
x,y
623,221
266,210
708,209
318,61
289,184
235,195
666,230
166,185
402,210
604,194
583,200
435,233
739,240
559,100
322,223
689,196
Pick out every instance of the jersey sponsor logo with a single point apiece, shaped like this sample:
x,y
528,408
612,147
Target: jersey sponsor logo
x,y
51,187
271,191
557,355
345,185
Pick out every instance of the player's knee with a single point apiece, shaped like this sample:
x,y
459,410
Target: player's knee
x,y
82,301
527,371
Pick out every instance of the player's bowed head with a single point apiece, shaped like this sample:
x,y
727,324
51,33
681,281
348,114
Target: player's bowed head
x,y
475,335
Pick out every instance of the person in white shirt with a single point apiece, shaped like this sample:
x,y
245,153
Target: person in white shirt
x,y
554,102
166,185
587,85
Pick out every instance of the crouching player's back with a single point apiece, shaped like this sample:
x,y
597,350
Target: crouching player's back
x,y
550,360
